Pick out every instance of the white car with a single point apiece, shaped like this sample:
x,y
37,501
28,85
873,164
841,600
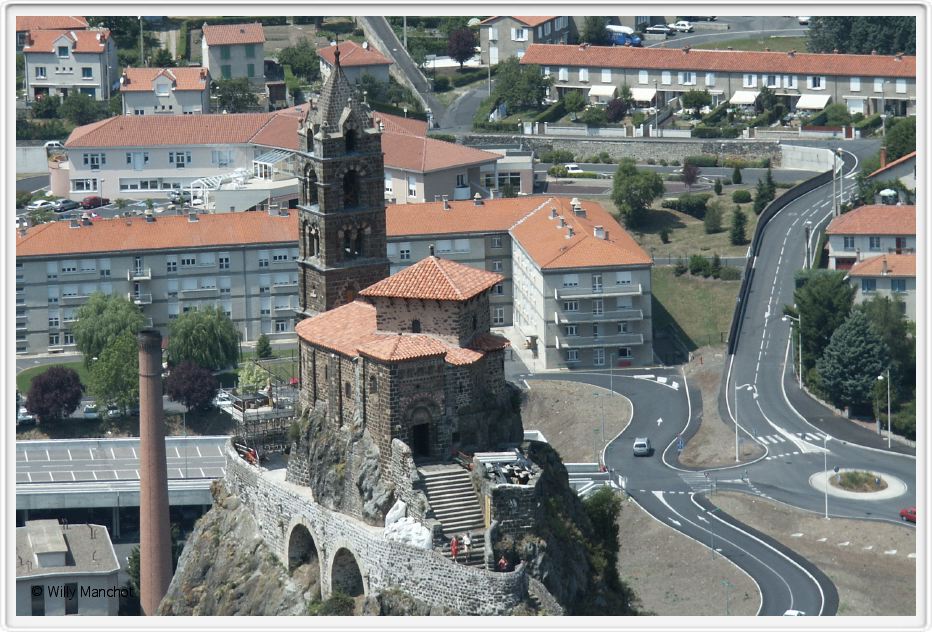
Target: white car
x,y
794,613
23,416
39,205
573,169
53,144
682,26
803,19
90,411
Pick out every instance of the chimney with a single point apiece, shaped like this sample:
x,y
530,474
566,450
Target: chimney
x,y
74,224
553,213
570,233
898,57
599,232
686,50
192,216
22,231
477,199
574,202
835,51
792,53
766,49
883,266
874,52
431,249
155,555
883,157
446,203
561,223
857,254
365,45
579,211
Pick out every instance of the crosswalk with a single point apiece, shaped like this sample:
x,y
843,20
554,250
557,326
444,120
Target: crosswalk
x,y
697,481
776,439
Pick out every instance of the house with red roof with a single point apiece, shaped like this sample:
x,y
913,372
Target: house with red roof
x,y
234,51
902,170
59,62
504,36
26,23
165,91
355,60
890,275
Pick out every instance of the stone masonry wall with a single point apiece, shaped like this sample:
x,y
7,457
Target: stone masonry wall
x,y
279,506
514,507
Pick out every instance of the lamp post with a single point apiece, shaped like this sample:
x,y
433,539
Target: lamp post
x,y
712,534
743,387
889,418
841,180
808,230
656,111
799,335
883,108
825,469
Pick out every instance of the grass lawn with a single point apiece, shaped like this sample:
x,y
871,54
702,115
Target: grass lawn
x,y
774,43
698,309
24,379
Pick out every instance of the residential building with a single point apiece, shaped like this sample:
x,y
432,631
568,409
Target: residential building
x,y
865,83
233,51
59,62
242,263
515,168
868,231
65,569
504,36
26,23
889,275
902,170
165,91
355,60
575,287
419,168
144,156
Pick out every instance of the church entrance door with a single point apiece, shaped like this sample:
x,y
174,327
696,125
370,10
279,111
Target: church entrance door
x,y
420,440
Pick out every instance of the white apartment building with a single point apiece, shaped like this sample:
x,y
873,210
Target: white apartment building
x,y
60,62
165,91
890,275
242,263
232,51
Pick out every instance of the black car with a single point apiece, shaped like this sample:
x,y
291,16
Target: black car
x,y
179,197
64,205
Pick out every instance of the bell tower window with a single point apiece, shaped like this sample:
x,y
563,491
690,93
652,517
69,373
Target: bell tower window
x,y
310,185
350,138
350,189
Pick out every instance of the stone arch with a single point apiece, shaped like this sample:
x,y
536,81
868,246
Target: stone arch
x,y
310,185
346,575
301,547
421,427
304,559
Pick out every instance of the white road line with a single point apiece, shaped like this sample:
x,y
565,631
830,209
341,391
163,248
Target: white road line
x,y
72,476
198,448
29,476
134,453
526,385
26,455
112,455
763,440
843,543
821,539
201,470
796,535
890,552
48,457
95,474
92,455
137,473
869,547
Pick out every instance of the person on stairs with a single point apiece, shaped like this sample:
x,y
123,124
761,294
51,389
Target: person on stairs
x,y
467,544
454,548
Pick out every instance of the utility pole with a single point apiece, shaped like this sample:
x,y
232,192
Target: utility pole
x,y
404,31
142,59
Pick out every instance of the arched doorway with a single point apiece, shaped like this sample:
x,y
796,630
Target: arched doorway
x,y
419,441
345,575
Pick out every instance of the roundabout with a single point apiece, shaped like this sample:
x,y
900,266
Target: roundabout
x,y
895,487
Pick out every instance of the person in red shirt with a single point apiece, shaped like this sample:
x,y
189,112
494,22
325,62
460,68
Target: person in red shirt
x,y
502,564
454,548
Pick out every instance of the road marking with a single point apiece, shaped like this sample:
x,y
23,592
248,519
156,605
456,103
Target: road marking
x,y
890,552
198,448
659,421
95,475
526,385
869,547
843,543
703,519
72,476
763,440
795,453
821,539
137,473
676,522
134,453
112,455
26,455
48,457
796,535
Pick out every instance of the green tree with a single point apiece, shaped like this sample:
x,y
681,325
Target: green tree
x,y
761,197
594,116
853,359
770,184
192,385
739,222
418,54
47,107
303,59
114,376
518,86
452,23
901,138
593,30
252,377
690,175
123,28
263,347
80,108
101,320
40,216
736,175
163,59
717,187
234,95
633,191
206,337
712,221
823,302
461,45
696,100
837,115
54,394
888,318
574,101
887,35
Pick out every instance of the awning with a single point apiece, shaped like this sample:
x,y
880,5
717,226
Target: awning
x,y
602,91
273,157
744,97
643,94
813,101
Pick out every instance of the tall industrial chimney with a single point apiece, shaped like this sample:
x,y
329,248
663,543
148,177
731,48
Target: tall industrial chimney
x,y
155,556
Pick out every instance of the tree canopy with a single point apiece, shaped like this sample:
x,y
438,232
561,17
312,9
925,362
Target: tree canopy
x,y
234,95
80,108
862,34
206,337
889,320
303,59
252,377
633,191
823,303
101,320
901,138
461,45
54,394
593,30
520,87
853,359
115,374
695,100
574,101
192,385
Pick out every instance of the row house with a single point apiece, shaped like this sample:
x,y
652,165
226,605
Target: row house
x,y
892,275
355,60
165,91
242,263
27,23
234,51
902,170
59,62
504,36
805,81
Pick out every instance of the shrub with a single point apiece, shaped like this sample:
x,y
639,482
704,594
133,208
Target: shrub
x,y
651,161
717,187
713,219
638,118
738,225
675,163
448,138
701,131
663,162
741,196
680,269
704,160
665,235
558,171
441,83
729,273
694,204
726,181
553,113
605,159
716,265
263,347
736,176
557,155
699,265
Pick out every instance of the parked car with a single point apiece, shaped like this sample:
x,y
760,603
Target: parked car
x,y
64,204
23,416
642,446
908,514
54,144
93,201
177,197
90,411
661,29
113,411
573,169
682,26
803,19
40,205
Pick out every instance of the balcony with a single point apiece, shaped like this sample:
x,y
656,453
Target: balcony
x,y
284,288
21,326
588,342
462,193
605,316
284,308
79,274
139,274
632,289
72,299
201,292
140,299
20,317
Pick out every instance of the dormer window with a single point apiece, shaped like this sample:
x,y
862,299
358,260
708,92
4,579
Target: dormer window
x,y
162,89
63,52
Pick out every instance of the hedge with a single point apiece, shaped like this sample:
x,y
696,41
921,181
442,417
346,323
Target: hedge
x,y
181,50
704,160
729,273
869,122
557,156
470,76
448,138
741,196
693,204
701,131
388,108
495,126
553,113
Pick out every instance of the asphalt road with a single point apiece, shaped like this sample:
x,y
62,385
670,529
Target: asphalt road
x,y
742,27
458,117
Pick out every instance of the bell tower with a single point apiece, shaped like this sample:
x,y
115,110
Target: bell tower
x,y
342,241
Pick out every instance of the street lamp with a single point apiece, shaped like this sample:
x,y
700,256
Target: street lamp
x,y
743,387
825,469
808,228
841,180
889,418
656,111
883,108
799,335
712,534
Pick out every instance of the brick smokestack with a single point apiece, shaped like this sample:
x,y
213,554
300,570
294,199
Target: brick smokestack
x,y
883,157
155,556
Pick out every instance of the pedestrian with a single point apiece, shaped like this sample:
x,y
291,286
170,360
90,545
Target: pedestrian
x,y
467,543
502,564
454,548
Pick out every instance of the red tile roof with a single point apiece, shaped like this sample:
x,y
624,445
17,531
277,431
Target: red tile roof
x,y
438,279
898,161
897,266
278,129
400,124
720,60
87,41
875,219
529,20
50,22
166,232
352,54
141,79
423,154
227,34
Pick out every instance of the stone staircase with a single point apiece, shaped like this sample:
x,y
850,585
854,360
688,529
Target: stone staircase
x,y
476,551
453,499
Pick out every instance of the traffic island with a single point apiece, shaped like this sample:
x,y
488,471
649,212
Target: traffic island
x,y
858,481
860,484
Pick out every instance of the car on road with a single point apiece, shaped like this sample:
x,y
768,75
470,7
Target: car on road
x,y
908,514
661,29
54,144
64,204
642,446
177,197
573,169
89,411
682,26
794,613
93,201
803,19
40,205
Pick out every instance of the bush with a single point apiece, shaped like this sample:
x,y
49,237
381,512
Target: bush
x,y
701,131
557,156
680,269
663,162
741,196
441,83
704,160
726,181
638,118
694,204
605,159
339,604
651,161
665,235
736,175
448,138
553,113
558,171
699,265
23,198
675,163
729,273
263,347
713,219
717,187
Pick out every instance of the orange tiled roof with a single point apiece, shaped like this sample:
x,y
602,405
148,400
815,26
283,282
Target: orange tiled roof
x,y
720,60
875,219
267,128
85,41
166,232
352,54
433,278
423,154
898,161
897,266
400,124
227,34
529,20
141,79
49,22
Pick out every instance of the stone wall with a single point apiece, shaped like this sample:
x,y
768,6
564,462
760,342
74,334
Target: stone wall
x,y
513,507
454,322
279,507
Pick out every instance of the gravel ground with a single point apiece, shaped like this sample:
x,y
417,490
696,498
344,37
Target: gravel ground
x,y
871,581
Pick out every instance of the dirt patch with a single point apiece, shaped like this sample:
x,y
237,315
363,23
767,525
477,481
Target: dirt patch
x,y
867,561
570,415
713,445
663,566
863,482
